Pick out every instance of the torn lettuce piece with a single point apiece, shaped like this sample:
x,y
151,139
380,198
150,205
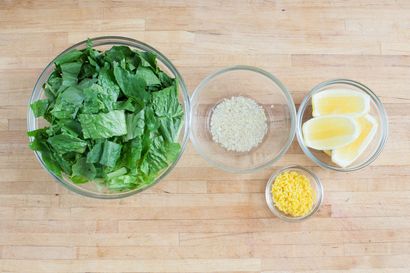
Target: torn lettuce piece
x,y
103,125
169,112
148,75
132,85
135,125
82,171
110,154
72,56
68,103
39,107
159,155
64,143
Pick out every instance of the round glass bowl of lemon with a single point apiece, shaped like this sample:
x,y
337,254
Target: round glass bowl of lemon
x,y
342,125
294,193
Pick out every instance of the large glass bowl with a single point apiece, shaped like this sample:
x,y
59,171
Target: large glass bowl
x,y
376,110
268,92
92,189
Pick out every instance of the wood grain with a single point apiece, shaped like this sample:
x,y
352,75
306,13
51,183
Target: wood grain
x,y
200,219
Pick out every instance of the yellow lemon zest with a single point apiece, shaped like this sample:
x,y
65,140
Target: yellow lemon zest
x,y
292,193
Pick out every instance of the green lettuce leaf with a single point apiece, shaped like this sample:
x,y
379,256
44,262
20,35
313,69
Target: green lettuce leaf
x,y
118,53
166,103
68,103
169,111
39,143
118,172
151,121
122,183
72,56
82,171
95,153
69,73
103,125
128,105
110,154
148,59
159,156
133,150
70,127
132,85
64,143
148,75
39,107
106,81
135,125
98,99
52,86
165,79
94,100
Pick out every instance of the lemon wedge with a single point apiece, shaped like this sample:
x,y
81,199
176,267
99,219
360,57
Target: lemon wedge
x,y
340,102
346,155
330,132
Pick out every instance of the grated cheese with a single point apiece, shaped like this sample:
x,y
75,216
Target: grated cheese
x,y
292,193
238,124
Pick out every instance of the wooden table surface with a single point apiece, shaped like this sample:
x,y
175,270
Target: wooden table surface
x,y
200,219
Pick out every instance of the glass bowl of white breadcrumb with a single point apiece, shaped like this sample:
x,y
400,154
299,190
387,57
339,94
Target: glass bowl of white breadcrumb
x,y
242,120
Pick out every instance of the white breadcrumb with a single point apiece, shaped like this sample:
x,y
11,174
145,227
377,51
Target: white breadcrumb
x,y
238,124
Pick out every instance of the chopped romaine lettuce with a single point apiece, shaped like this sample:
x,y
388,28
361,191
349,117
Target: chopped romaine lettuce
x,y
114,117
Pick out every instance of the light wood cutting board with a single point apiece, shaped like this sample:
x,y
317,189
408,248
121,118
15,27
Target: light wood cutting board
x,y
200,219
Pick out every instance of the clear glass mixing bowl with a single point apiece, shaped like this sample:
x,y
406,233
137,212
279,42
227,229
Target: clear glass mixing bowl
x,y
91,189
268,92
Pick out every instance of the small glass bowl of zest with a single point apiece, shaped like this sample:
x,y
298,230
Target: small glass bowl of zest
x,y
299,175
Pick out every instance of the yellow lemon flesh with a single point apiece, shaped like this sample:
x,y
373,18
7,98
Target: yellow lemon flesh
x,y
346,155
330,132
340,102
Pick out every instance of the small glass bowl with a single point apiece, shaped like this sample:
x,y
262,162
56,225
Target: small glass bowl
x,y
268,92
314,182
91,189
376,110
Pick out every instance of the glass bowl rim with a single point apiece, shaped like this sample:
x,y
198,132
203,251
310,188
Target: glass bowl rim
x,y
289,101
282,216
383,120
133,43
